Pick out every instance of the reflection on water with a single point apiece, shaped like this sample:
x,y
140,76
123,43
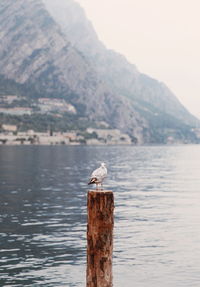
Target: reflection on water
x,y
43,214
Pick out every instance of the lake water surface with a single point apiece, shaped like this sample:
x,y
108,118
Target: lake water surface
x,y
43,214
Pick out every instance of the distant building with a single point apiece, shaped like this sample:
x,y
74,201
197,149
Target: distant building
x,y
16,111
8,99
9,128
52,140
94,142
110,136
55,105
72,136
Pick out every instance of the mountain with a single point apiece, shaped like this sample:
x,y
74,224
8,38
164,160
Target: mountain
x,y
56,53
113,68
36,52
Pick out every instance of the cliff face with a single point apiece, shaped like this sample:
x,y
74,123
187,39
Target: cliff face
x,y
34,47
122,77
62,57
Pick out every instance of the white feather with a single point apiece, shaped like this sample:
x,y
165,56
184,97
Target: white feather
x,y
99,173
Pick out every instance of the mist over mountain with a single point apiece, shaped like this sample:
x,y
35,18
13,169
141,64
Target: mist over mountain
x,y
54,51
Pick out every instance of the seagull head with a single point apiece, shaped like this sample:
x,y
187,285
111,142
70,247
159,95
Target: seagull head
x,y
103,164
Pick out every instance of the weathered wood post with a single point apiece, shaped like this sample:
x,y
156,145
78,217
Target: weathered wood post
x,y
100,238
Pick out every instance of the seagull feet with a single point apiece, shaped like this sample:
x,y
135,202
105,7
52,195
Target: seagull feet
x,y
99,188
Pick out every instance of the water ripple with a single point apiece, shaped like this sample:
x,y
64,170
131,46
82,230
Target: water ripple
x,y
43,214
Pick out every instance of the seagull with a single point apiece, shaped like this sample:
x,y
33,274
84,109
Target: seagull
x,y
98,175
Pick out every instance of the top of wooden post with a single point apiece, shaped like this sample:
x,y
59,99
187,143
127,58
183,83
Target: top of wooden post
x,y
100,191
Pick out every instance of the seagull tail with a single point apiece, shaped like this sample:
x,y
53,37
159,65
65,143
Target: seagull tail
x,y
92,180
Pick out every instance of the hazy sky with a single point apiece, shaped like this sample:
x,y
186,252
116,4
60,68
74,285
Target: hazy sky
x,y
161,37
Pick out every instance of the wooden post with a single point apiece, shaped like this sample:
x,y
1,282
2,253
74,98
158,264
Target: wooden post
x,y
100,238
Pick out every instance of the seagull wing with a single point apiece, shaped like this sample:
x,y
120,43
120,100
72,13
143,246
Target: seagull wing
x,y
99,173
96,172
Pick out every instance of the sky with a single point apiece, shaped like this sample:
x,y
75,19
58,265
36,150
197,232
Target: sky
x,y
161,37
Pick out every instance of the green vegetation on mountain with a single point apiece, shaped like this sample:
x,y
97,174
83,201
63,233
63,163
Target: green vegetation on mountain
x,y
46,122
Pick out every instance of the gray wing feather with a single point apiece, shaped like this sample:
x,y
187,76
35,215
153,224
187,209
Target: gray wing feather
x,y
100,173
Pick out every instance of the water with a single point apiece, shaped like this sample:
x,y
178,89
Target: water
x,y
43,214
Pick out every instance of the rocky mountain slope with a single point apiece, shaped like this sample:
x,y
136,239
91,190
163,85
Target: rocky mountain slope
x,y
36,52
113,68
64,58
